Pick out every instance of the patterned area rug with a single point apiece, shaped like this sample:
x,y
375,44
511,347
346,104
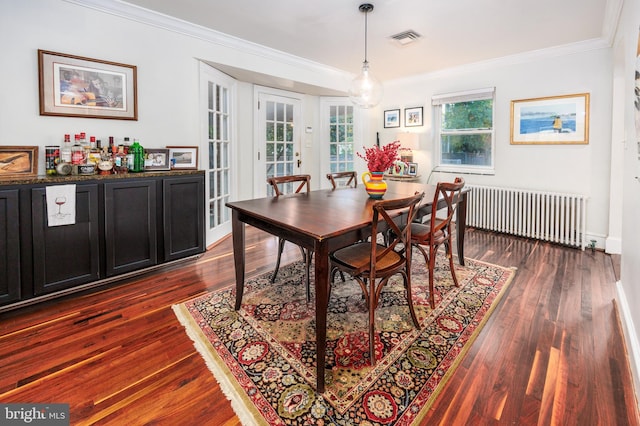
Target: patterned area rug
x,y
264,355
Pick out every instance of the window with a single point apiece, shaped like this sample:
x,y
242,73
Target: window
x,y
464,128
341,155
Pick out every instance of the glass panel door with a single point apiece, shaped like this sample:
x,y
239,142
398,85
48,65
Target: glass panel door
x,y
217,89
279,139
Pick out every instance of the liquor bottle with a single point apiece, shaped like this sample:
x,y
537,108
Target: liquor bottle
x,y
51,158
120,161
84,142
137,153
77,155
128,153
94,151
112,145
65,151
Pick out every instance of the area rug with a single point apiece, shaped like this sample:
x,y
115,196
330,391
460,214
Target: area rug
x,y
264,355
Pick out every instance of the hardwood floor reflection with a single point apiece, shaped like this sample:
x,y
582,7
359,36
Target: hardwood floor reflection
x,y
551,353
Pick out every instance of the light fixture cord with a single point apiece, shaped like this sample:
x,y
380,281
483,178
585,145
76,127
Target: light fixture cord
x,y
366,13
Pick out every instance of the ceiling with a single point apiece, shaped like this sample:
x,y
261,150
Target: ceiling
x,y
453,32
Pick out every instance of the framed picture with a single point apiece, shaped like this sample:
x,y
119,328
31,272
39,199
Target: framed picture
x,y
18,161
413,117
73,86
392,118
183,157
412,170
551,120
156,159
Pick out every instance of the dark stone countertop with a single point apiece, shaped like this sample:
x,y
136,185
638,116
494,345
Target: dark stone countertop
x,y
53,179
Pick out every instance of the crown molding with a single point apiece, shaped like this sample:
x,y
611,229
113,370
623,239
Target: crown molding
x,y
612,12
147,17
563,50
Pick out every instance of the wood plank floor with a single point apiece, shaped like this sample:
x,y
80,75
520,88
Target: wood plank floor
x,y
551,353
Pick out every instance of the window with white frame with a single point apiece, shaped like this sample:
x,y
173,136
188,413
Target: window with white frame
x,y
341,150
463,125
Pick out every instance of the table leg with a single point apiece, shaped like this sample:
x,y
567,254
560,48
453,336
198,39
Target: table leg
x,y
461,222
322,301
237,232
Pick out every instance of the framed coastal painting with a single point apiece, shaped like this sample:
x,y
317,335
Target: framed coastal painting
x,y
18,161
392,118
551,120
75,86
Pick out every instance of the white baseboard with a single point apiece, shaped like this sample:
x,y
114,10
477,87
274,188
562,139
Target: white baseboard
x,y
630,336
613,245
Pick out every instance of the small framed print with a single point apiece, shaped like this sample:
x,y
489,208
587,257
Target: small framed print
x,y
392,118
183,157
18,161
156,159
412,170
413,117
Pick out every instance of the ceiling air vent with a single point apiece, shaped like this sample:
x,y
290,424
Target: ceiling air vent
x,y
406,37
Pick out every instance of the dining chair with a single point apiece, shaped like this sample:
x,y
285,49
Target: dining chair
x,y
372,264
348,179
429,236
278,183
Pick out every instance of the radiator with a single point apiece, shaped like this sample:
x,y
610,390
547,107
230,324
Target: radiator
x,y
547,216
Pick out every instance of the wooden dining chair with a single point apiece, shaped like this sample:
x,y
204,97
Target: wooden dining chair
x,y
278,184
372,264
429,236
348,179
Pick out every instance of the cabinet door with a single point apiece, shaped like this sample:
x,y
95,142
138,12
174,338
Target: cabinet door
x,y
9,246
68,255
183,216
130,225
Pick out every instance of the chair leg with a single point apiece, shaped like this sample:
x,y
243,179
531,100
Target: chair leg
x,y
453,270
432,267
372,313
407,285
280,249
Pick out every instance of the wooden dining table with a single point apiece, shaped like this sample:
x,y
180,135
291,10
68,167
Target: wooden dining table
x,y
323,221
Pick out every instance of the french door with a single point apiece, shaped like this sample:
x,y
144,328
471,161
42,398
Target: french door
x,y
278,137
217,93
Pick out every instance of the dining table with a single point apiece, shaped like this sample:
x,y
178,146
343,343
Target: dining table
x,y
323,221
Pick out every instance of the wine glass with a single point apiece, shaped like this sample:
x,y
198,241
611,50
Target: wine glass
x,y
60,201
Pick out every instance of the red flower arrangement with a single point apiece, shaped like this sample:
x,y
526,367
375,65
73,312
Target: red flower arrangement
x,y
380,159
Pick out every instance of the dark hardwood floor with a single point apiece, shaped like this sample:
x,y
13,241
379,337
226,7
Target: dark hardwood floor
x,y
551,354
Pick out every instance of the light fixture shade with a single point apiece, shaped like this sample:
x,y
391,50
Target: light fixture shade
x,y
365,90
408,140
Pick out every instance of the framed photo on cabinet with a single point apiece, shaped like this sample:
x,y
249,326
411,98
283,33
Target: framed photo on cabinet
x,y
183,157
18,161
156,159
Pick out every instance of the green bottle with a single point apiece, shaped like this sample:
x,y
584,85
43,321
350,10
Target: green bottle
x,y
138,157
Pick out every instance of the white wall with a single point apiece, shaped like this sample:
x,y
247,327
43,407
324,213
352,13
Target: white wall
x,y
629,286
168,78
583,169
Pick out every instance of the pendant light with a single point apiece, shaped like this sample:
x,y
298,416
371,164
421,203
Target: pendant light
x,y
366,90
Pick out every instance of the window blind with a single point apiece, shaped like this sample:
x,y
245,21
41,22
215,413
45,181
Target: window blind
x,y
467,96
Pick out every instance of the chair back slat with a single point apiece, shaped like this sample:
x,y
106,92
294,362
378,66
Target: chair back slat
x,y
276,181
401,233
447,191
349,179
